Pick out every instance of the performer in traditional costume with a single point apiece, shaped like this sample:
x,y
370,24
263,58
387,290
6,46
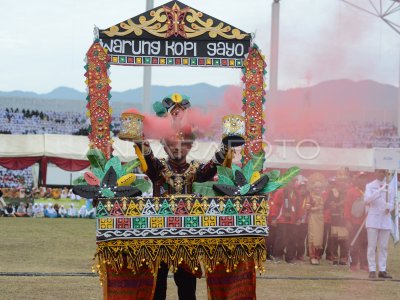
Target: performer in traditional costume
x,y
134,266
301,219
285,201
338,233
327,240
175,175
272,227
315,206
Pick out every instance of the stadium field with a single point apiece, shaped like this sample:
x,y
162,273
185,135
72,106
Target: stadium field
x,y
52,259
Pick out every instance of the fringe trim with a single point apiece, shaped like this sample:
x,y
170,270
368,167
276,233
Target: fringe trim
x,y
174,252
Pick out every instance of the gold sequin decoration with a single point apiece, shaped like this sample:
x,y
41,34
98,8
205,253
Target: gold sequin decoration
x,y
229,251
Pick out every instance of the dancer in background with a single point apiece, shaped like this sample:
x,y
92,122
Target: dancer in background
x,y
285,201
301,220
338,233
315,207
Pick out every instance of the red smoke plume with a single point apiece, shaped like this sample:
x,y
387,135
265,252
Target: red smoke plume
x,y
203,123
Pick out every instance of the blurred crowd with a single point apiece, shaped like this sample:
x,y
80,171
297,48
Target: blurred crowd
x,y
14,121
343,135
45,210
16,178
40,193
319,217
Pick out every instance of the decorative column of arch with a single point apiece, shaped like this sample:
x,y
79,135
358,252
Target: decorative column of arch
x,y
253,100
99,111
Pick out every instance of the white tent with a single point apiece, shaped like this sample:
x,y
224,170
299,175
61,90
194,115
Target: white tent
x,y
76,147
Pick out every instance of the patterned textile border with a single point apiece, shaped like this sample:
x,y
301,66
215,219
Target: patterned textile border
x,y
211,252
107,235
181,205
237,285
179,216
175,61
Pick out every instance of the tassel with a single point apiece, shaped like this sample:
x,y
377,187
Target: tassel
x,y
181,252
229,158
143,164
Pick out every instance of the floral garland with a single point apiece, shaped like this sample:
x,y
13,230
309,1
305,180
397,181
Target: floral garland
x,y
253,100
99,111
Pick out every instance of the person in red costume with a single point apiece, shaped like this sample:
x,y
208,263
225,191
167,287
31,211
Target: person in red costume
x,y
338,234
301,220
285,201
270,240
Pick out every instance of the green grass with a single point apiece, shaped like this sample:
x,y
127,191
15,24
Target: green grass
x,y
50,288
68,245
46,245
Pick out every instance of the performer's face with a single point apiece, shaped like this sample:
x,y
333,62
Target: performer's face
x,y
177,150
380,174
317,187
302,189
360,182
342,184
291,185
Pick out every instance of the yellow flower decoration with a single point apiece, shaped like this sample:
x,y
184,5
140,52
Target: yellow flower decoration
x,y
256,175
126,180
177,98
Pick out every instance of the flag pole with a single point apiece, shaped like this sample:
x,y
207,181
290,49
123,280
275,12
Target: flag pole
x,y
395,234
358,233
355,239
387,186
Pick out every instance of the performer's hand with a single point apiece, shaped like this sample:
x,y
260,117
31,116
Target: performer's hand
x,y
138,142
126,139
274,223
387,208
384,188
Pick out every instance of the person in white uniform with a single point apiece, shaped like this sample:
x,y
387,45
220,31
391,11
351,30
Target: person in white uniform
x,y
379,198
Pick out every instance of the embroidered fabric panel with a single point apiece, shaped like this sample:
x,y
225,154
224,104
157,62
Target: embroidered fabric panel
x,y
181,216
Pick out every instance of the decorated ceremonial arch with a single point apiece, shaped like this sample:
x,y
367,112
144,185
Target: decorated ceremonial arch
x,y
225,224
174,34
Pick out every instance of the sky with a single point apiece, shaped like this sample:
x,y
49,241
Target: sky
x,y
43,43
